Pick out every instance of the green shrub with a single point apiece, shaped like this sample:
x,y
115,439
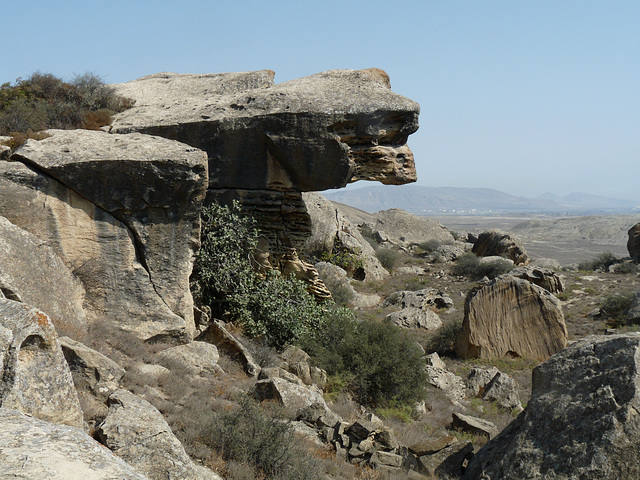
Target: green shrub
x,y
625,268
388,258
429,246
615,307
382,363
267,443
601,263
44,101
470,265
443,341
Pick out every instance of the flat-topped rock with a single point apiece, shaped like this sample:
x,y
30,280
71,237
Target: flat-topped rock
x,y
309,134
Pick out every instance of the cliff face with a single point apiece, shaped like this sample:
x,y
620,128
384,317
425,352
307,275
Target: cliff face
x,y
267,143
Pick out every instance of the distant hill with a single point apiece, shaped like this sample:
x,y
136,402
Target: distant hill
x,y
474,201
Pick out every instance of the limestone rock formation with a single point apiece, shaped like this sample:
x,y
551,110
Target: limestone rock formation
x,y
32,449
309,134
543,277
35,376
633,244
195,358
331,229
122,211
404,229
32,273
136,432
497,242
511,317
581,421
291,396
416,308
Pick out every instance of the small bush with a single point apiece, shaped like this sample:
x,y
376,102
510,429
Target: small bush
x,y
345,259
625,268
429,246
601,263
44,101
267,443
381,362
443,341
388,258
615,307
470,265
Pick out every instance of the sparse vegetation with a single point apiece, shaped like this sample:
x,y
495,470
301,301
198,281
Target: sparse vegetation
x,y
599,264
615,306
44,101
470,265
388,258
345,259
443,341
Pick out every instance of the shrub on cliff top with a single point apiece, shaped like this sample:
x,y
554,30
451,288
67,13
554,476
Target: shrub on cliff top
x,y
45,101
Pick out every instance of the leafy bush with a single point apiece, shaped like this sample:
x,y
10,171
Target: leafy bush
x,y
615,307
628,267
44,101
429,246
470,265
388,258
443,340
601,263
379,361
248,435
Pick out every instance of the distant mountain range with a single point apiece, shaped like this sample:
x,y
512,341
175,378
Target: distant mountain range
x,y
475,201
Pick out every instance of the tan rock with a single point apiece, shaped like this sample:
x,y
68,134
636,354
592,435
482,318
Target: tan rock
x,y
36,379
511,317
633,244
499,243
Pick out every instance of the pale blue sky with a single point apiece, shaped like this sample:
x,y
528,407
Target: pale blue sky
x,y
521,96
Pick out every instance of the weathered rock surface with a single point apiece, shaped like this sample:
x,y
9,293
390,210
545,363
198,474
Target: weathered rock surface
x,y
336,280
581,421
511,317
479,378
35,376
416,308
404,229
90,369
291,396
502,390
446,463
33,449
331,229
154,186
136,432
633,244
219,335
32,273
309,134
543,277
499,243
474,425
195,358
633,315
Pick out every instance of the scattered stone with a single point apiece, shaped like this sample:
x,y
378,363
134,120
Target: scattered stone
x,y
434,360
581,420
196,358
217,334
529,319
35,378
502,389
499,243
291,396
446,463
90,369
479,378
450,383
474,425
416,308
136,432
336,280
432,445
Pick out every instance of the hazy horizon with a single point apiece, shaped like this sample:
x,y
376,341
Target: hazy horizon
x,y
521,97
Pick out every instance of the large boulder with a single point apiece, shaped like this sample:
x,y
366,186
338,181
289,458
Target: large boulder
x,y
32,273
309,134
416,308
404,229
543,277
136,432
31,448
112,205
511,317
331,230
499,243
581,421
35,376
633,244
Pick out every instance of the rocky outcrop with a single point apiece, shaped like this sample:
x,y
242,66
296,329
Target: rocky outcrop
x,y
32,448
136,432
581,421
33,274
293,397
404,229
268,143
543,277
416,308
499,243
633,244
332,232
511,317
122,212
338,283
195,358
35,376
309,134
